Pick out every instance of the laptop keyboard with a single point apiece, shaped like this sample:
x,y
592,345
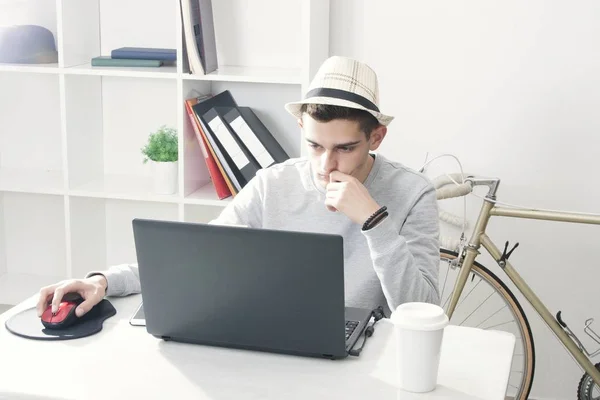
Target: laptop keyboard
x,y
350,327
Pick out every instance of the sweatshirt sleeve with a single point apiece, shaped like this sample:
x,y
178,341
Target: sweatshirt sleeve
x,y
244,209
122,279
406,258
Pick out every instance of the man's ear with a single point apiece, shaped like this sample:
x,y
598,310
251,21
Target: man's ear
x,y
300,124
377,136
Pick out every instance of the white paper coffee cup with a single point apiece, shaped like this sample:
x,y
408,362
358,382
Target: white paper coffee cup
x,y
419,329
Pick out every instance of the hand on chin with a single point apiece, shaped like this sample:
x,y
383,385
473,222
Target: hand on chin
x,y
348,195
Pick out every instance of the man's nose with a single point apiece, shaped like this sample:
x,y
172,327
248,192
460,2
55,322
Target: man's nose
x,y
328,162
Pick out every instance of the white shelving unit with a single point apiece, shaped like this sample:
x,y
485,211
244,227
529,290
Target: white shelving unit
x,y
71,171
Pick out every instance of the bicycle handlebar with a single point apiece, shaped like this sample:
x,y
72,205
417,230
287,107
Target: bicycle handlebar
x,y
446,188
454,191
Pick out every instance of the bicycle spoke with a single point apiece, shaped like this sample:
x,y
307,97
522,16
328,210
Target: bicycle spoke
x,y
446,302
470,291
485,320
445,280
464,298
447,298
479,306
503,323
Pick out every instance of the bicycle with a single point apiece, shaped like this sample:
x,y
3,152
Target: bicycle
x,y
491,310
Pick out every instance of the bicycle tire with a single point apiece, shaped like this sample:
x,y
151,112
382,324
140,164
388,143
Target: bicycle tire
x,y
521,319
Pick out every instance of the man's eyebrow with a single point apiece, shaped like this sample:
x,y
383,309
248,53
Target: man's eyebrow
x,y
337,145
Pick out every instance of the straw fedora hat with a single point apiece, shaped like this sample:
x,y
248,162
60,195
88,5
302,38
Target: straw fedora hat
x,y
342,81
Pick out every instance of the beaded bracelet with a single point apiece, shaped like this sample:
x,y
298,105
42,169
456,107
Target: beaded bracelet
x,y
378,218
370,222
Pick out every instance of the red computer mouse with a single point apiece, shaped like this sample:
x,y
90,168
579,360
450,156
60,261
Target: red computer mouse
x,y
65,315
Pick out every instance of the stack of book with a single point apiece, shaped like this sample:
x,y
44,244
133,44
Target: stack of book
x,y
234,142
136,57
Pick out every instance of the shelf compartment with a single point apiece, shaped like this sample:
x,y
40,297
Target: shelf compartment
x,y
96,28
266,100
109,120
30,12
245,38
30,137
32,244
102,234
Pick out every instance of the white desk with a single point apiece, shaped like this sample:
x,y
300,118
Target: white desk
x,y
125,362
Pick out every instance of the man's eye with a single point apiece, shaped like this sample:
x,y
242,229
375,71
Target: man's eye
x,y
345,149
314,145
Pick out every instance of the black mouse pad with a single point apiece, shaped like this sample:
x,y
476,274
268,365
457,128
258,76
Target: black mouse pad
x,y
28,325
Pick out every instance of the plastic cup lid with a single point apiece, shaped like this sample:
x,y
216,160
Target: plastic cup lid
x,y
420,316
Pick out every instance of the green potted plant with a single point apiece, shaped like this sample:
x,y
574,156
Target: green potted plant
x,y
162,151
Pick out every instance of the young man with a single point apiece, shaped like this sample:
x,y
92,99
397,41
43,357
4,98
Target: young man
x,y
386,213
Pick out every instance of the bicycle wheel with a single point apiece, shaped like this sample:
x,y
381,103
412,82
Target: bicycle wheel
x,y
487,303
587,389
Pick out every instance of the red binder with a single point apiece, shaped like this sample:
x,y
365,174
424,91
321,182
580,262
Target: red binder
x,y
221,187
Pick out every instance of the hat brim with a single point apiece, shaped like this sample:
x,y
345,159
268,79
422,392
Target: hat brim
x,y
294,107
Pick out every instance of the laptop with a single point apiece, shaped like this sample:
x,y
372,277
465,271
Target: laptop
x,y
240,287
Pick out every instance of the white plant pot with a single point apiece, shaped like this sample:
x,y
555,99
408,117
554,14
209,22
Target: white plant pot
x,y
165,177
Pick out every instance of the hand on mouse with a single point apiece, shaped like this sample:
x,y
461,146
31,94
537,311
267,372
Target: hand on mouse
x,y
347,194
92,290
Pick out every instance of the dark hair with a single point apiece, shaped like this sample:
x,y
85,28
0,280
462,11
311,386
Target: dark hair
x,y
325,113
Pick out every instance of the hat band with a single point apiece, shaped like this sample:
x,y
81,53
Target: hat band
x,y
342,95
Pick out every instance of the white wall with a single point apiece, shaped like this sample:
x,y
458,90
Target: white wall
x,y
512,89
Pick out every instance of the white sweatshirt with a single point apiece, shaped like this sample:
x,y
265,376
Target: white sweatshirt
x,y
395,262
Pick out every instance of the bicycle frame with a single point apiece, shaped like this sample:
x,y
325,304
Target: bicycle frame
x,y
479,238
